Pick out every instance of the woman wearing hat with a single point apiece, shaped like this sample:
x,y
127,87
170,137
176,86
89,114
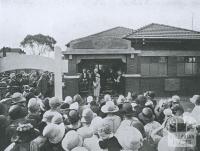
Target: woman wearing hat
x,y
110,109
107,140
96,84
54,134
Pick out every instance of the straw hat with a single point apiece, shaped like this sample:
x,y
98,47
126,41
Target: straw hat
x,y
109,107
134,139
71,141
68,99
18,98
54,133
96,122
85,132
74,106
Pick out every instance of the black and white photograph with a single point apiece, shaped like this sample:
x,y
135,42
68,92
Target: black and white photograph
x,y
99,75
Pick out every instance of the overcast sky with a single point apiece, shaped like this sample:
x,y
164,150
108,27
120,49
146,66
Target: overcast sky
x,y
66,20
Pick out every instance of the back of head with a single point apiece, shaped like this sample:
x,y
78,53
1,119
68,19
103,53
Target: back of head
x,y
77,98
54,102
33,105
73,116
15,112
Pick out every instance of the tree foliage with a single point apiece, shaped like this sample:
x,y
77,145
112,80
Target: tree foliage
x,y
38,44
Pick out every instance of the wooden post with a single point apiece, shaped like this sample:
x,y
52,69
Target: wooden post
x,y
58,72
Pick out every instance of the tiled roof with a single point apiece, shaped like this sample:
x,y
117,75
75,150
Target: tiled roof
x,y
117,32
160,31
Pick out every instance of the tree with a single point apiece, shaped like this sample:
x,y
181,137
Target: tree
x,y
38,44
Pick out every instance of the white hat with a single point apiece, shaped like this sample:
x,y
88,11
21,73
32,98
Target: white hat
x,y
89,99
109,107
54,133
96,122
71,141
68,100
34,105
85,132
121,99
74,106
167,112
134,140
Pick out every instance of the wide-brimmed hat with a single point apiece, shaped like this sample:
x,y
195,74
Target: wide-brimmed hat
x,y
109,107
71,140
96,122
85,132
134,141
17,98
195,99
87,116
54,133
146,115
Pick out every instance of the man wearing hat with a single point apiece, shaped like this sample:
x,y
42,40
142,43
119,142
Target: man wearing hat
x,y
147,117
130,118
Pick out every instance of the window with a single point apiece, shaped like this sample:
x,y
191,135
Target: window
x,y
187,65
154,66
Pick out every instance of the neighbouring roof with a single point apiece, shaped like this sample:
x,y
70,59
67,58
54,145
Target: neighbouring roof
x,y
160,31
117,32
15,50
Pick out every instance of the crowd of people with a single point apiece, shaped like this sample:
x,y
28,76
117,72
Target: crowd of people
x,y
135,122
39,83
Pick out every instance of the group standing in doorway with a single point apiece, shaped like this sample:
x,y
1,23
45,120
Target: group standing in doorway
x,y
98,81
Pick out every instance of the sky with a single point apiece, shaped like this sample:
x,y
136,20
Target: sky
x,y
66,20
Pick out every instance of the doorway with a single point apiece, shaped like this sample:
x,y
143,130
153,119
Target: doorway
x,y
105,66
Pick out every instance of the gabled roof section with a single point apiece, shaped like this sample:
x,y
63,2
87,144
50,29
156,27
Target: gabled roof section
x,y
117,32
160,31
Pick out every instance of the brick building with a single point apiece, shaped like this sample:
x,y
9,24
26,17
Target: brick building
x,y
156,57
